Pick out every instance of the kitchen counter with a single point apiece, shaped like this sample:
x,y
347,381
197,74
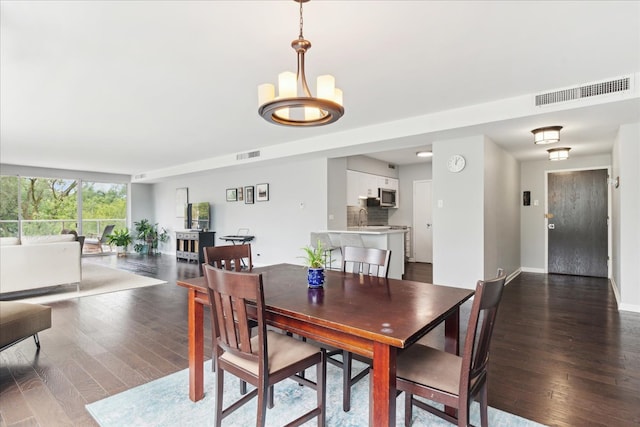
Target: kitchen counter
x,y
377,229
382,237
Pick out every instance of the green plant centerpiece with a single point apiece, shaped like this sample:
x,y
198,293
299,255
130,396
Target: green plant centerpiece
x,y
148,236
121,239
314,259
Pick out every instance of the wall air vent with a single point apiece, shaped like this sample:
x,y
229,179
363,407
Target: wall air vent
x,y
391,166
586,91
248,155
140,176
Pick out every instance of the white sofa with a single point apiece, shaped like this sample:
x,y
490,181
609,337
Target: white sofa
x,y
39,262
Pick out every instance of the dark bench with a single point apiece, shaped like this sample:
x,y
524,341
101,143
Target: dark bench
x,y
20,320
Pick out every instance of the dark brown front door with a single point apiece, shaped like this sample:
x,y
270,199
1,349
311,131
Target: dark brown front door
x,y
577,227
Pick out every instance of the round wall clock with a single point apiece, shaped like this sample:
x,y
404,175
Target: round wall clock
x,y
456,163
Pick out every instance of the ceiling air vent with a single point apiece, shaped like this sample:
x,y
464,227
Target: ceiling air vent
x,y
595,89
248,155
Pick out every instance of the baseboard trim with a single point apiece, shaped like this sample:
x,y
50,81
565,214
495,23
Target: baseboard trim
x,y
513,276
622,307
629,307
532,270
616,292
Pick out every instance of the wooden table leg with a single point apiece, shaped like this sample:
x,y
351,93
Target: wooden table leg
x,y
382,397
452,343
452,333
196,348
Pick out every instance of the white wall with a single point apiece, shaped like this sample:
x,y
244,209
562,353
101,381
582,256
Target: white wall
x,y
533,225
371,165
141,205
501,211
337,194
615,219
458,226
626,213
32,171
477,227
403,215
297,206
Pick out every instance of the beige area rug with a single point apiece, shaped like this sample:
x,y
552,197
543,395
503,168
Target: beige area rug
x,y
96,279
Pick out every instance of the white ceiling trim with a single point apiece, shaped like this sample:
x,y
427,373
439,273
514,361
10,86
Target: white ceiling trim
x,y
389,135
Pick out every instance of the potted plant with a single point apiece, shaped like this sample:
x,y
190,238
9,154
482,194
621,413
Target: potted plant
x,y
314,259
143,230
120,238
157,236
148,236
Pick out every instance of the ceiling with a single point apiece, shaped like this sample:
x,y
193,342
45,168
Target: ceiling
x,y
142,86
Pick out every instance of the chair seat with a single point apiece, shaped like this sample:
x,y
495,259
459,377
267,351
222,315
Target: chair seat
x,y
429,366
283,352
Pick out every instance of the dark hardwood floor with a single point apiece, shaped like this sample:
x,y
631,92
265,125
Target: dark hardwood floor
x,y
561,354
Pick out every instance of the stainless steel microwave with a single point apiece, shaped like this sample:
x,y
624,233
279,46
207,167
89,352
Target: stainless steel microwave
x,y
387,197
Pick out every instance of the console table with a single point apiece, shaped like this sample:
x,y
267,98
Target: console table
x,y
188,244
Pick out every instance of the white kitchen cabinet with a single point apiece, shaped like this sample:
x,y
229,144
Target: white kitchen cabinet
x,y
358,185
361,184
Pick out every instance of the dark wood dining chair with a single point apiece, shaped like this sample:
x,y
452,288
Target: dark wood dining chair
x,y
262,360
446,378
368,261
229,257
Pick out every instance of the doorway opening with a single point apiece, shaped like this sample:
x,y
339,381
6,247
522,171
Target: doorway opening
x,y
422,229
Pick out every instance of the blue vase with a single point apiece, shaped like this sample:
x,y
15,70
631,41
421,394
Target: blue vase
x,y
315,277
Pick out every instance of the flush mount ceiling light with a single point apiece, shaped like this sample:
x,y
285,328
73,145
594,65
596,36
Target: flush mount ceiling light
x,y
547,135
561,153
424,154
294,105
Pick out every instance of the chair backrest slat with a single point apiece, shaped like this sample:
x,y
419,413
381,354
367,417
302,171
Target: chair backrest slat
x,y
369,261
232,294
480,328
229,257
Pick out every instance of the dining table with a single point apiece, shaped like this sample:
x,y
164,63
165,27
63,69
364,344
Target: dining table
x,y
371,316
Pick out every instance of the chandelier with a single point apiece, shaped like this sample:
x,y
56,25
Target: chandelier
x,y
294,105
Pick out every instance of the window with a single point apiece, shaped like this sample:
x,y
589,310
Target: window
x,y
32,206
48,205
103,204
9,206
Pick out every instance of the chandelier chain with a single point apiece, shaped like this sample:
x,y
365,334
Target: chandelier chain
x,y
300,36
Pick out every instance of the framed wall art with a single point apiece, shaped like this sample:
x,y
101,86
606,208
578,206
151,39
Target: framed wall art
x,y
248,194
232,194
239,193
262,192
